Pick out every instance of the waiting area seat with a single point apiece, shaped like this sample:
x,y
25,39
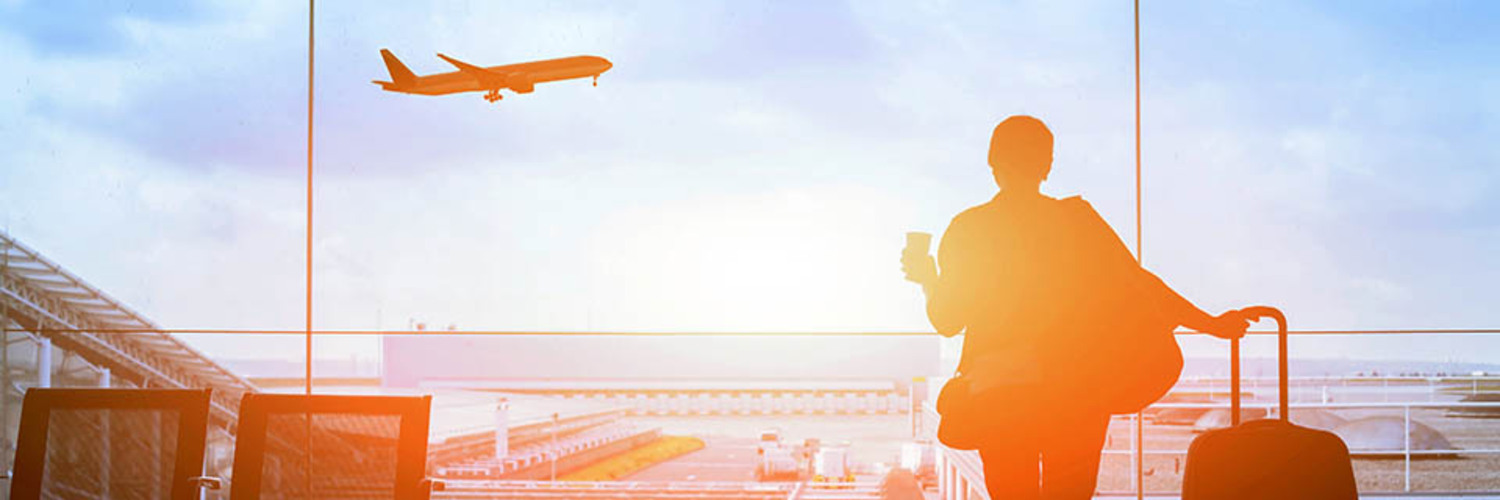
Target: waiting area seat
x,y
327,446
149,444
110,443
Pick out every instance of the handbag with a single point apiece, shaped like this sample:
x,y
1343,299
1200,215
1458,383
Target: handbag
x,y
959,428
1123,354
1121,372
983,396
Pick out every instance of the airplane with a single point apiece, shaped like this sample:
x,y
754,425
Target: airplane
x,y
520,78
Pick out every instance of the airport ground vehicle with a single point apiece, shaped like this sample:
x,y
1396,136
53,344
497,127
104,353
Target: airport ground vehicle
x,y
806,452
777,463
831,465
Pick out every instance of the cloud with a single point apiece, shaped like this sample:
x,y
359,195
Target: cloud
x,y
194,92
1333,162
1316,163
88,28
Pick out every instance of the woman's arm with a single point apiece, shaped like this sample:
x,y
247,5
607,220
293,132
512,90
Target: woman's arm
x,y
942,307
1231,324
946,296
1174,306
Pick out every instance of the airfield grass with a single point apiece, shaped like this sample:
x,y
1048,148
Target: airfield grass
x,y
624,464
1484,386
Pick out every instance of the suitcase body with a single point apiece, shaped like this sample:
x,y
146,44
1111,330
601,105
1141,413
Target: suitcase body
x,y
1267,459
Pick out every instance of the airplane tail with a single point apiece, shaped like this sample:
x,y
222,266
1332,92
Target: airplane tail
x,y
400,75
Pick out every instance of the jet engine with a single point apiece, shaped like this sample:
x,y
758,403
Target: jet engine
x,y
520,82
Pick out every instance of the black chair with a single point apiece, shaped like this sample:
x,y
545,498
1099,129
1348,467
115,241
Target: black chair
x,y
110,443
324,446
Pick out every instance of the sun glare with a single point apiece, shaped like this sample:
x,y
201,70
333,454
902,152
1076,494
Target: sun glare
x,y
800,260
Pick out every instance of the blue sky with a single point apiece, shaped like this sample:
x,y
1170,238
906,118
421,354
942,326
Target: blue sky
x,y
748,165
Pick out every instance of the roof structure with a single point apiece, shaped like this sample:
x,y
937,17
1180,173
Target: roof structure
x,y
45,300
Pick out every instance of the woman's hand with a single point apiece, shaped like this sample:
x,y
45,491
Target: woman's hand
x,y
1230,325
919,269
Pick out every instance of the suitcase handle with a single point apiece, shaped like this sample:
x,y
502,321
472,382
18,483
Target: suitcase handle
x,y
1257,313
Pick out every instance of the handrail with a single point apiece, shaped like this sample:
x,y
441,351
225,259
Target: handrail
x,y
964,471
968,475
1349,405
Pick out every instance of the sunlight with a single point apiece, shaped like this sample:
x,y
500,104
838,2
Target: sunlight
x,y
791,260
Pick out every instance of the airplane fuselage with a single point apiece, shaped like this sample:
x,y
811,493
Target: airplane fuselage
x,y
520,78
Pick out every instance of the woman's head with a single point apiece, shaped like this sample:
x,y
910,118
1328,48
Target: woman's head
x,y
1021,152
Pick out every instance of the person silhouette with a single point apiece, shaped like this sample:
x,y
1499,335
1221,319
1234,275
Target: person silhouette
x,y
1021,276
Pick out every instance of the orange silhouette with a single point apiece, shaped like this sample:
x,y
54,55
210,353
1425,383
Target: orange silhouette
x,y
1062,326
521,78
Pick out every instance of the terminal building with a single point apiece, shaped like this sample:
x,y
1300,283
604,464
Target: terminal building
x,y
676,375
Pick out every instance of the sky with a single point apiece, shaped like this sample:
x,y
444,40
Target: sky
x,y
746,166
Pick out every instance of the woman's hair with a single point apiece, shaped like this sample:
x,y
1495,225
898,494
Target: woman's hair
x,y
1023,144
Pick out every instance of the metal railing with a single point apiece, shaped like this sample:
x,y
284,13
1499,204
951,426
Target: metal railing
x,y
686,490
961,474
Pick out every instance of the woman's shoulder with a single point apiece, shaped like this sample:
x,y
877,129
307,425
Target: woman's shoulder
x,y
974,213
1076,203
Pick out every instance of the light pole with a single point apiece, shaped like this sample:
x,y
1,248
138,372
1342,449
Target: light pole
x,y
554,447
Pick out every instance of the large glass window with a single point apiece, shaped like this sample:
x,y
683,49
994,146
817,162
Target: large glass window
x,y
563,264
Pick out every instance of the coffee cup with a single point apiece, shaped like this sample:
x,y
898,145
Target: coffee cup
x,y
918,243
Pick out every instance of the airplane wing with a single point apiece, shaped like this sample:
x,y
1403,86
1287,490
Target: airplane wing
x,y
487,79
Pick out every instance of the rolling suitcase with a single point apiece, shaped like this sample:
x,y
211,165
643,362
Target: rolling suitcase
x,y
1270,459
